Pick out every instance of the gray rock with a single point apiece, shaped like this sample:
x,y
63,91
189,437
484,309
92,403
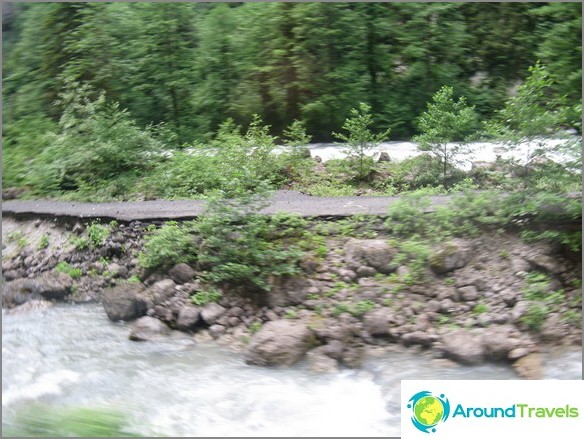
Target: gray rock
x,y
124,302
181,273
377,322
160,291
148,329
546,263
51,285
499,341
117,269
469,293
334,349
347,275
188,317
211,313
421,338
282,342
450,256
383,157
554,328
365,271
216,331
529,367
376,253
319,362
462,346
31,305
288,291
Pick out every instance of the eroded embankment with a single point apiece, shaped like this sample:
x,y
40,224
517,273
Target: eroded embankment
x,y
491,298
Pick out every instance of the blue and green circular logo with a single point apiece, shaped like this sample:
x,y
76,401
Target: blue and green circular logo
x,y
428,410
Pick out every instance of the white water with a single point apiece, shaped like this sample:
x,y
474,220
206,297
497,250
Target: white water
x,y
73,356
478,151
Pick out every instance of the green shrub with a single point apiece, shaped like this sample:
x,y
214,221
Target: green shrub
x,y
68,422
64,267
202,298
240,246
43,242
167,246
535,316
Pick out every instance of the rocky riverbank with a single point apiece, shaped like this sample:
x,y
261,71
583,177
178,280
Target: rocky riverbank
x,y
491,298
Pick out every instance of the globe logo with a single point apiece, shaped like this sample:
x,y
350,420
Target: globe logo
x,y
428,410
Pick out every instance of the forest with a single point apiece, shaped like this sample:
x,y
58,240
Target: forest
x,y
93,91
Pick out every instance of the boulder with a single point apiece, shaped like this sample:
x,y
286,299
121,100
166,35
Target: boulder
x,y
124,302
148,329
160,291
375,253
377,322
319,361
529,366
546,263
450,256
365,271
31,305
288,291
499,341
117,270
282,342
211,313
188,317
469,293
216,330
463,346
181,273
422,338
384,157
50,285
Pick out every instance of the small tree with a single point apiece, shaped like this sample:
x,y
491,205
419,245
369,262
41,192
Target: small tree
x,y
360,140
444,126
295,136
530,116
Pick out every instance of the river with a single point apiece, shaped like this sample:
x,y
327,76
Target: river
x,y
72,355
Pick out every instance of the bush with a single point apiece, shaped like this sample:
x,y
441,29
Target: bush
x,y
168,246
97,142
239,246
202,298
64,267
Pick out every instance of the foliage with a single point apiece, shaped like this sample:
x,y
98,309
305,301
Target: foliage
x,y
43,242
93,237
202,298
68,422
359,140
169,245
64,267
444,126
240,246
254,327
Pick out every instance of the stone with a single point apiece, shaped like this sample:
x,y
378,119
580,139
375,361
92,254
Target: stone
x,y
124,302
346,274
148,329
450,256
384,157
211,313
288,291
188,317
282,342
216,331
377,322
469,293
53,285
421,338
546,263
31,305
320,362
50,285
529,366
160,291
499,341
365,271
181,273
334,349
375,253
554,328
117,269
462,346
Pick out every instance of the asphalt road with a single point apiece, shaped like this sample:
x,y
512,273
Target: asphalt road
x,y
281,201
